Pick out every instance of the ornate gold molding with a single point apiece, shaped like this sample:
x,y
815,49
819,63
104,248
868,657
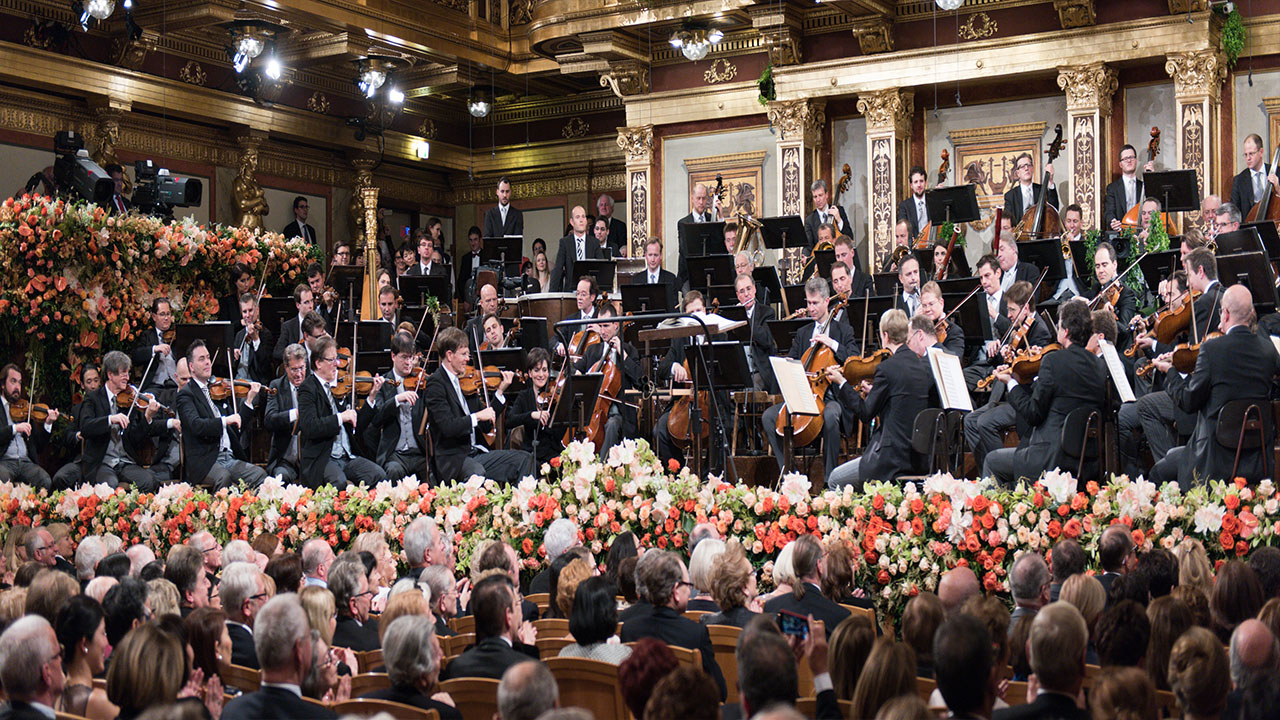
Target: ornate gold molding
x,y
712,162
887,110
428,129
129,53
998,133
561,181
250,202
1197,73
193,73
1088,86
318,103
626,78
575,128
721,70
1076,13
636,143
780,28
797,119
875,36
978,26
1187,6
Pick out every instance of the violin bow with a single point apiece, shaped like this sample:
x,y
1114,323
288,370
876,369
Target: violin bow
x,y
966,299
1119,278
355,353
866,309
35,365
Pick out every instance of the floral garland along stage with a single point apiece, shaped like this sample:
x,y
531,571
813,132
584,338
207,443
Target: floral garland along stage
x,y
904,536
78,281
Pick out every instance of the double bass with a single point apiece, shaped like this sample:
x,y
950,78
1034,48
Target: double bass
x,y
929,233
1133,217
1268,208
1042,221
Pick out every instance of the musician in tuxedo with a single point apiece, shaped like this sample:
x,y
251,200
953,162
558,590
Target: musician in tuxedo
x,y
673,369
326,426
281,418
908,297
291,329
1070,378
702,209
824,213
573,247
900,389
459,422
1125,191
152,345
503,219
839,339
326,300
860,283
762,345
1251,184
1026,193
912,209
621,422
654,273
212,444
600,233
229,304
21,442
488,305
1105,267
90,380
1072,229
532,412
1240,365
424,266
841,285
470,262
585,296
617,229
251,350
1012,269
299,226
901,239
933,307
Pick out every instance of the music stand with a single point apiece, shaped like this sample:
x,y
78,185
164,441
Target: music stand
x,y
726,294
961,285
767,279
369,333
377,362
1177,190
510,358
1246,239
577,400
711,270
969,316
1252,270
601,270
646,298
695,238
885,283
783,231
737,313
872,308
506,251
1159,266
793,297
822,261
719,367
214,333
956,204
1270,239
1045,254
348,280
273,311
784,333
533,333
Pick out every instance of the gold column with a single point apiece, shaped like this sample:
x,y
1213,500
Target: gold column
x,y
1197,88
799,124
888,114
637,143
251,203
1089,89
369,196
364,165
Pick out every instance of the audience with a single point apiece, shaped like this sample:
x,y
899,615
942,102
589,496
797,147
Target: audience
x,y
1123,634
323,682
82,634
1237,596
967,675
412,656
1068,559
1029,585
243,594
890,671
1194,568
850,644
561,535
317,558
956,587
163,597
1197,601
623,547
208,634
567,584
1198,674
526,691
1124,693
352,597
733,587
1085,593
783,574
31,668
88,553
97,588
283,642
592,622
496,604
905,707
1169,618
1115,554
1269,615
147,668
650,660
1254,652
1057,646
837,578
444,596
410,602
286,571
806,596
1265,563
702,560
48,592
684,694
125,607
920,620
185,568
1160,570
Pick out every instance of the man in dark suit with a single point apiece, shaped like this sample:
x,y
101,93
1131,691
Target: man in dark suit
x,y
1105,267
503,219
1070,378
253,345
621,422
824,213
586,294
965,667
352,597
701,210
575,246
152,344
1026,193
327,301
425,266
281,416
32,659
617,228
119,204
299,226
762,345
213,449
600,235
1115,554
496,605
468,263
21,442
860,282
1240,365
412,654
912,209
111,438
1012,269
459,422
768,671
487,304
900,390
1058,643
1248,187
282,639
933,307
667,588
1125,191
243,594
397,414
654,273
839,338
326,426
807,599
291,329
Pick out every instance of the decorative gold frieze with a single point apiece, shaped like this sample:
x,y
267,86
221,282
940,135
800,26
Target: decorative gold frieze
x,y
876,37
250,201
977,26
721,70
784,49
887,109
997,133
1088,86
318,103
719,162
129,53
1187,6
780,29
636,143
626,78
193,73
882,196
797,119
427,129
575,128
544,184
1197,72
1075,13
521,12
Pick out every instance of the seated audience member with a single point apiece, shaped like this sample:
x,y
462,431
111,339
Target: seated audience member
x,y
650,661
920,620
1197,601
837,580
116,565
1124,692
784,575
1057,645
444,596
1198,674
526,691
125,607
352,597
556,567
627,585
1237,596
1260,699
1269,615
768,671
82,635
1067,558
1265,563
501,556
1254,653
408,599
733,587
88,553
567,584
98,587
850,644
905,707
967,675
624,546
30,669
210,642
243,594
1195,570
163,598
283,641
1115,554
184,567
666,586
806,596
684,694
322,683
1029,585
1160,570
139,557
890,671
1085,593
561,535
593,619
956,586
48,593
496,605
286,571
993,613
1168,619
412,655
703,558
147,669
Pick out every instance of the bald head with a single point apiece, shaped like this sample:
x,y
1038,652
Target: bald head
x,y
1254,651
1237,302
956,587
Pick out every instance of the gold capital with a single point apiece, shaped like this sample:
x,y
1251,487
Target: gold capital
x,y
887,110
636,143
1088,87
1197,73
798,119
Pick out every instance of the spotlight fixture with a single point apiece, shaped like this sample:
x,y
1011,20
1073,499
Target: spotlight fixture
x,y
372,72
89,10
249,37
395,96
480,102
949,5
695,41
273,68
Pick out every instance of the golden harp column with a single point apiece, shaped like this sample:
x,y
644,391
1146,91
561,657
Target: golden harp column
x,y
799,124
1197,88
1089,89
637,144
888,114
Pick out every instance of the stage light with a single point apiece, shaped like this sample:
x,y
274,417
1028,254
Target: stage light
x,y
949,5
249,38
480,102
395,96
100,9
273,69
695,42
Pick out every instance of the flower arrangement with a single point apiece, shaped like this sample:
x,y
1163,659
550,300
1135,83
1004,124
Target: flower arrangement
x,y
77,281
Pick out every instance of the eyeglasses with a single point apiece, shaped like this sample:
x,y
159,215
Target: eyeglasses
x,y
208,550
329,359
1023,166
259,596
368,593
684,583
1127,158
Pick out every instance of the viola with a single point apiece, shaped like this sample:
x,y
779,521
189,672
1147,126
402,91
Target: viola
x,y
1185,354
131,397
21,410
222,388
859,367
1167,322
678,417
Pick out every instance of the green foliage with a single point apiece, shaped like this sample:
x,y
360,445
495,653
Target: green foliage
x,y
1090,245
944,234
1234,36
767,91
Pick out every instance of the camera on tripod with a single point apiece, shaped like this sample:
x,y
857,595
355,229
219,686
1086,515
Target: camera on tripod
x,y
157,192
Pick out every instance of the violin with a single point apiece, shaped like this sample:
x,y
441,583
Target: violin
x,y
470,379
222,388
363,383
1019,334
131,397
1166,322
858,368
940,329
1026,364
169,335
21,410
1185,354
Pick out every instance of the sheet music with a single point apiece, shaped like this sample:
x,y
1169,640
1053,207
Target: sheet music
x,y
949,377
1275,341
794,385
716,323
1118,374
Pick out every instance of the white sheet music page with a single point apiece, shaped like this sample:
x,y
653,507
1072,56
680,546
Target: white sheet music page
x,y
949,377
794,385
1116,369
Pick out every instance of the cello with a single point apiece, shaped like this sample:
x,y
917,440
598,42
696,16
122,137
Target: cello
x,y
678,420
816,359
610,390
1133,217
1042,221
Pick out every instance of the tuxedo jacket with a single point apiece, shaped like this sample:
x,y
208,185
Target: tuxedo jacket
x,y
318,428
1013,208
1207,310
861,283
273,703
1242,195
96,431
243,652
907,211
902,387
563,278
141,354
813,603
260,364
617,235
494,227
290,333
295,229
1048,706
1126,307
1070,378
488,658
436,270
384,425
277,421
954,343
467,262
682,267
450,424
202,431
543,442
762,345
631,374
667,625
1115,205
837,331
812,221
665,277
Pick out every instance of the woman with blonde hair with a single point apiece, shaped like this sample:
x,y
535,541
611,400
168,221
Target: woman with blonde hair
x,y
401,604
162,598
1086,594
890,671
147,669
733,587
784,574
542,270
1194,568
567,584
322,616
1199,675
1123,693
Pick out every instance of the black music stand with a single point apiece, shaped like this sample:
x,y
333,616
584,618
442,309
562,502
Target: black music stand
x,y
1177,190
274,311
577,400
822,262
377,362
710,270
783,231
369,333
647,298
512,358
1081,259
961,285
695,238
1045,254
784,333
767,279
214,333
956,204
1159,266
726,294
1246,239
793,297
533,333
507,251
601,270
1270,239
720,367
737,313
348,280
885,283
871,308
1252,270
969,316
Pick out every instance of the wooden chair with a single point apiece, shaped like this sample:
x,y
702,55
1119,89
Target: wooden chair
x,y
855,610
925,688
315,702
552,627
1243,426
369,659
1081,440
542,600
685,657
724,639
453,645
808,707
368,708
244,679
463,625
100,684
365,683
696,615
474,697
590,684
58,715
549,647
1168,702
1016,694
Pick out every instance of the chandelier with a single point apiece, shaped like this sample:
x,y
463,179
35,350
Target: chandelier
x,y
373,72
249,38
695,42
950,5
480,102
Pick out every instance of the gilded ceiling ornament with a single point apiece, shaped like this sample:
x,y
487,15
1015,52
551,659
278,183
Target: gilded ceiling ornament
x,y
427,130
978,26
721,70
575,128
1187,6
875,38
459,5
1075,13
1088,86
192,73
795,118
636,143
1198,72
36,37
318,103
251,202
129,53
887,109
521,12
626,79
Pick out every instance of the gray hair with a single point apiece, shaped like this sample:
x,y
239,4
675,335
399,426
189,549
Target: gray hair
x,y
115,362
344,581
660,576
315,552
25,648
139,556
607,197
34,541
294,351
783,570
704,559
239,583
562,535
420,535
1028,576
280,624
98,587
817,285
238,551
406,649
818,184
112,542
88,553
1230,210
1242,673
527,690
202,541
439,579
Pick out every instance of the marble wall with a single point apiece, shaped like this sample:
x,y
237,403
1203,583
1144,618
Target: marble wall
x,y
849,145
1251,115
1145,107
